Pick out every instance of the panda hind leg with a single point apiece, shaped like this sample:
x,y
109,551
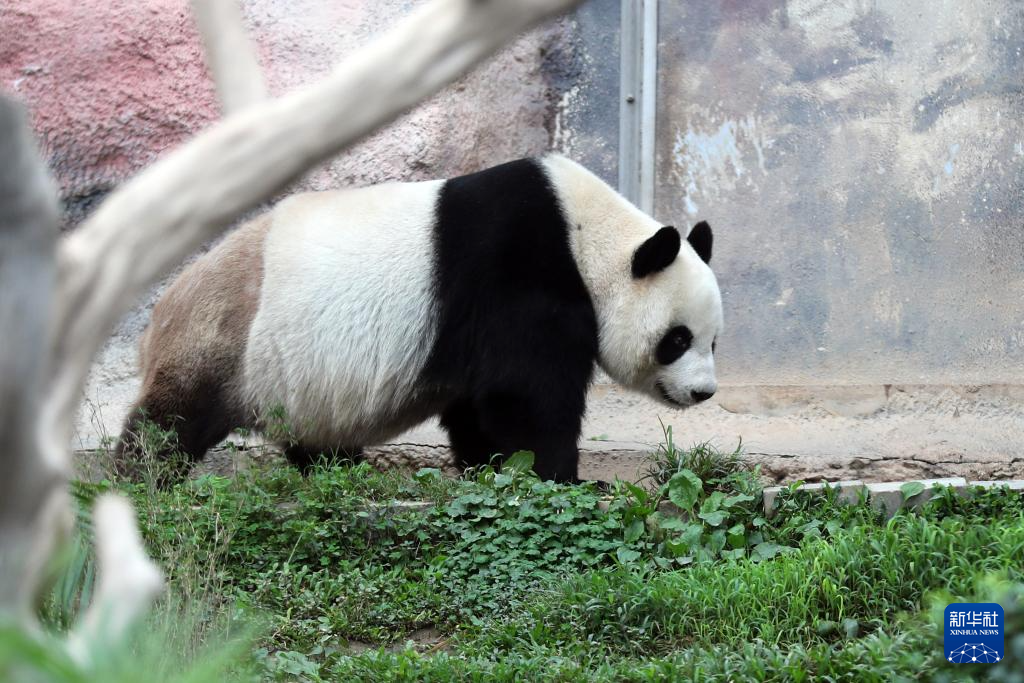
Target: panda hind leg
x,y
170,428
305,458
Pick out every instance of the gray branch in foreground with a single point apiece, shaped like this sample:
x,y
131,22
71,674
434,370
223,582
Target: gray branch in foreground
x,y
29,222
127,581
230,57
35,505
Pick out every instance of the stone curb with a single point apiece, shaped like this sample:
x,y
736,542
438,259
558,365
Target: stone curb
x,y
884,496
849,492
888,496
398,507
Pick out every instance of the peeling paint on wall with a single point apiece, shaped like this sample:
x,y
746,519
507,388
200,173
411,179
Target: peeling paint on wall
x,y
707,163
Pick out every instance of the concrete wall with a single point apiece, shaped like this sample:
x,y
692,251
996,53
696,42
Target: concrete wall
x,y
863,163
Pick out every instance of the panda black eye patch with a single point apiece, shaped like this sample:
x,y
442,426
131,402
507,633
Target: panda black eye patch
x,y
674,344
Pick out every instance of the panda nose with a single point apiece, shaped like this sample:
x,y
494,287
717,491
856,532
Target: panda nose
x,y
701,396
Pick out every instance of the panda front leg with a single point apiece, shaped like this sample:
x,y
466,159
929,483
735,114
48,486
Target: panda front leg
x,y
504,422
471,446
557,458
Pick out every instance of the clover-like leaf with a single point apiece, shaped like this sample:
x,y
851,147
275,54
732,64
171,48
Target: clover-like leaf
x,y
635,530
502,480
734,554
713,518
717,541
736,536
713,502
672,523
425,474
737,499
766,551
626,555
684,488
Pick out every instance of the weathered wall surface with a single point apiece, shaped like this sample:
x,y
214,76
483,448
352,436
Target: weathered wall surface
x,y
109,86
864,165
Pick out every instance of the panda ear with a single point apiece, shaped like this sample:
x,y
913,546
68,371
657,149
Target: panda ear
x,y
700,239
657,253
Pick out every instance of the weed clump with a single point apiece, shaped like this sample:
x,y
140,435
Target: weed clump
x,y
715,468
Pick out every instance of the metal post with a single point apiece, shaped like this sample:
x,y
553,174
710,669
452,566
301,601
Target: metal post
x,y
629,107
649,104
638,101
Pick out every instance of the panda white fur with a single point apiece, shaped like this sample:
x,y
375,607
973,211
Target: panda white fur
x,y
486,299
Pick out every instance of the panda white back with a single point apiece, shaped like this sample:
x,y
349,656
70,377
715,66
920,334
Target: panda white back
x,y
347,316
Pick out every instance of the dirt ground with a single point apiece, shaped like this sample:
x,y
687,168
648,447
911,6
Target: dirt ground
x,y
883,433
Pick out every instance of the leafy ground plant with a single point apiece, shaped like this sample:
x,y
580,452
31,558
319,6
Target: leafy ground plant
x,y
325,577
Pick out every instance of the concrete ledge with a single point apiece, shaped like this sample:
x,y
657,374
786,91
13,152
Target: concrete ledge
x,y
849,492
1017,485
888,497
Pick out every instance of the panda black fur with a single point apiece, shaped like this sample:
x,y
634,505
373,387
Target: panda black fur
x,y
486,299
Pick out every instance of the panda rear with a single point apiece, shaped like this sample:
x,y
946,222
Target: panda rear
x,y
484,299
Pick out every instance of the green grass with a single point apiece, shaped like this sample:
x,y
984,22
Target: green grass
x,y
275,576
853,583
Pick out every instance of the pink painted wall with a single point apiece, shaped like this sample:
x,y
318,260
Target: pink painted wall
x,y
112,84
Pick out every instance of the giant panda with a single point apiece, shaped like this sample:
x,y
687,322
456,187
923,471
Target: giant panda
x,y
486,299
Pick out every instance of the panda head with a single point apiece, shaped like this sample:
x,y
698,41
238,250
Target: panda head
x,y
659,336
